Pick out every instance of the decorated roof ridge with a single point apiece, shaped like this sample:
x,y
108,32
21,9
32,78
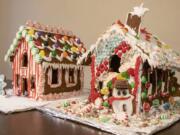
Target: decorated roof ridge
x,y
48,28
146,43
58,46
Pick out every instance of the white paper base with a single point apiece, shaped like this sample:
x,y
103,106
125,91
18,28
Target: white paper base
x,y
111,128
12,104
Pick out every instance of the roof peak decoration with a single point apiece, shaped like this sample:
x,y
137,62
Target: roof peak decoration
x,y
139,10
134,18
48,28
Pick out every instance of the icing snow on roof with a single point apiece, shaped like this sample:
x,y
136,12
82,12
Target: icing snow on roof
x,y
146,45
48,43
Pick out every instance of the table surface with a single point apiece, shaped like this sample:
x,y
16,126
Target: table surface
x,y
38,123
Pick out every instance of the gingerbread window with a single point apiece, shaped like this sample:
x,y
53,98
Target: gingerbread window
x,y
54,77
33,82
25,60
71,77
115,63
17,80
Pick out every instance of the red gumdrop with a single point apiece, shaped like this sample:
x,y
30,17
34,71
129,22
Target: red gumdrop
x,y
101,66
116,51
128,47
114,79
124,50
146,107
131,71
38,43
98,74
119,54
147,85
150,97
105,68
58,36
120,47
106,62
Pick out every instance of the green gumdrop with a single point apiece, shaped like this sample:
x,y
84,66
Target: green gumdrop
x,y
104,119
173,89
132,85
66,47
109,85
137,37
155,102
66,104
53,53
125,75
143,79
143,95
105,104
159,83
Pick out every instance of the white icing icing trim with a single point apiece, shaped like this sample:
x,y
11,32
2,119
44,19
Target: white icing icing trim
x,y
68,58
53,39
45,65
45,38
47,58
62,41
60,58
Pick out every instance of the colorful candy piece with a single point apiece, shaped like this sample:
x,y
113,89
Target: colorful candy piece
x,y
146,107
31,32
143,95
156,103
65,54
105,104
42,53
143,79
125,75
105,91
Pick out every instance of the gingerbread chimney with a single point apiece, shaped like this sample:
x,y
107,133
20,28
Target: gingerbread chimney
x,y
134,18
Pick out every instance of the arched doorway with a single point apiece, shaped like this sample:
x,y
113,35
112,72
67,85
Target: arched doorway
x,y
115,63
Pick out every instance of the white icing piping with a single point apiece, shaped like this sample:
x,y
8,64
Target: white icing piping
x,y
45,65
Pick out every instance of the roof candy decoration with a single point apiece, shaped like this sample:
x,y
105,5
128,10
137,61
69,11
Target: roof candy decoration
x,y
48,43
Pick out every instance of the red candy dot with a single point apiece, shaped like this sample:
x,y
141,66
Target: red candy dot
x,y
106,62
124,50
116,51
147,85
131,71
105,68
98,74
120,47
119,54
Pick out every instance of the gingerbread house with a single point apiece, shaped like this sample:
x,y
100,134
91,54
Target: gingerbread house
x,y
127,54
44,62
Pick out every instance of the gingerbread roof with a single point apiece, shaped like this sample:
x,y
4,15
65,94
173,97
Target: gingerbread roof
x,y
47,43
146,45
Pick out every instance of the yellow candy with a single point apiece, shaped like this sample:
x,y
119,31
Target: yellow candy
x,y
74,49
105,91
31,32
167,47
42,53
119,77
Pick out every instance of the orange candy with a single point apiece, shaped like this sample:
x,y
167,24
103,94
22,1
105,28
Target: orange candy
x,y
65,54
65,38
